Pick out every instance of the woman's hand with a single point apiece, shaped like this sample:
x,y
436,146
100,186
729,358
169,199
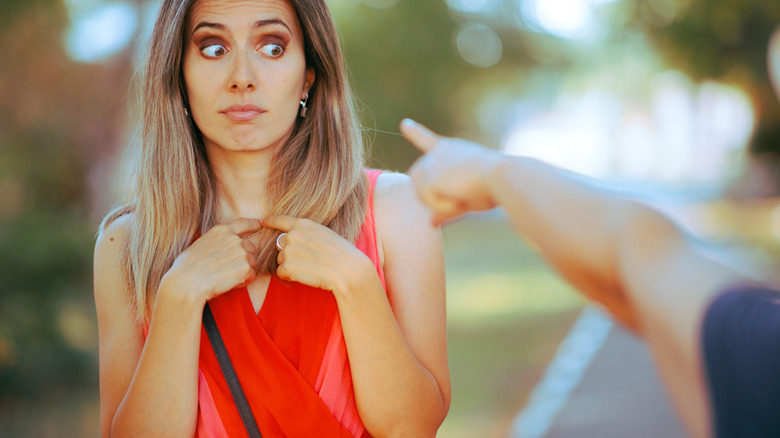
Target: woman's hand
x,y
220,260
453,177
316,256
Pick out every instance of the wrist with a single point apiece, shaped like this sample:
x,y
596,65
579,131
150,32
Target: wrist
x,y
171,295
355,280
497,171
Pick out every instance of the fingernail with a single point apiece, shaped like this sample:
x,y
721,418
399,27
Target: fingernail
x,y
409,123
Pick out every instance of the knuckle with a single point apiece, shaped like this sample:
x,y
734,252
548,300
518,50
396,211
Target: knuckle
x,y
300,223
233,239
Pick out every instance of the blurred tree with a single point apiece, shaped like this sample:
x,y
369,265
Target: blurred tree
x,y
404,61
13,9
402,65
723,40
58,119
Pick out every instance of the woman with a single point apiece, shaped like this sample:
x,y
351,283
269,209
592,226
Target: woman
x,y
325,280
713,331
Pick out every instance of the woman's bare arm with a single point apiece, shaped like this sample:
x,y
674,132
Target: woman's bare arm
x,y
414,272
397,348
150,388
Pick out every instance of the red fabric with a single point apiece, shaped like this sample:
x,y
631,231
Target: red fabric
x,y
290,358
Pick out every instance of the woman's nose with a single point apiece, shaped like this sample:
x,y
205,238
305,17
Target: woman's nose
x,y
243,77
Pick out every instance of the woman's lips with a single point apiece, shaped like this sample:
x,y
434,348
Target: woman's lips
x,y
242,113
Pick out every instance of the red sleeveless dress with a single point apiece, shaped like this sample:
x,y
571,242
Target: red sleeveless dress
x,y
290,358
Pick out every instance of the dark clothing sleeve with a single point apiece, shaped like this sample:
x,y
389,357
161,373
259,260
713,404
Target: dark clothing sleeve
x,y
741,354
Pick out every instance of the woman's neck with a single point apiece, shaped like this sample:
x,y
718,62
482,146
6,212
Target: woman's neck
x,y
241,179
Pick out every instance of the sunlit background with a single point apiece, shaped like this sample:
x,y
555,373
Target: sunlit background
x,y
665,99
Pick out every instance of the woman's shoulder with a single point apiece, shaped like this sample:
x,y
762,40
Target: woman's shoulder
x,y
116,225
393,187
116,314
113,236
111,284
397,209
410,246
395,197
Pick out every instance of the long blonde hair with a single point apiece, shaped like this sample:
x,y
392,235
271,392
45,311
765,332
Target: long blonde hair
x,y
318,174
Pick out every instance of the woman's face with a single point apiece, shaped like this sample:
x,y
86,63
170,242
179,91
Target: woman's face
x,y
245,72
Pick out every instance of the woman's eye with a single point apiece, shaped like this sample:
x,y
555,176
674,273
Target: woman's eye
x,y
273,50
214,50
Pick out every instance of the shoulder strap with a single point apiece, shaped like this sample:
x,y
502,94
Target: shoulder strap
x,y
230,373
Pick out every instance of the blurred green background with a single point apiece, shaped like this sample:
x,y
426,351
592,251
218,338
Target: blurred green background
x,y
667,93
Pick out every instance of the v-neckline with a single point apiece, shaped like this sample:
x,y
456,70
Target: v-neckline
x,y
268,291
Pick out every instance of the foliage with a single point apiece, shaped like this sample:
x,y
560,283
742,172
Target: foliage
x,y
59,120
403,65
14,9
724,40
404,62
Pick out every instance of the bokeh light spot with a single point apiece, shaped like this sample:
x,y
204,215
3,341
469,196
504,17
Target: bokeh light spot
x,y
479,45
775,221
471,6
571,19
100,32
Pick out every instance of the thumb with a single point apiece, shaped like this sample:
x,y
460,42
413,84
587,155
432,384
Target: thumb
x,y
421,137
441,218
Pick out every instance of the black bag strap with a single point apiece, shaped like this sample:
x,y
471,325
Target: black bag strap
x,y
230,373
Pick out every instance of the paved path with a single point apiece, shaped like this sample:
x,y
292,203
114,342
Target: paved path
x,y
600,385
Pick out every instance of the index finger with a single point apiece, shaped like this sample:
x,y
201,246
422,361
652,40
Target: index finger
x,y
244,226
421,137
279,222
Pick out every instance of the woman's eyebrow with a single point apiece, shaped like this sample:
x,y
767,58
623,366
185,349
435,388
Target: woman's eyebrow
x,y
210,25
269,22
258,24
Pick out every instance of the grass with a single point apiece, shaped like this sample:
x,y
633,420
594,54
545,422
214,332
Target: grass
x,y
507,312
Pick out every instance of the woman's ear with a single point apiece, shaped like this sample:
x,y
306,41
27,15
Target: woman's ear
x,y
309,81
773,60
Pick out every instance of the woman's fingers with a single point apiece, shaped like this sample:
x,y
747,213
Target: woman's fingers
x,y
251,250
279,222
245,226
311,253
222,259
285,224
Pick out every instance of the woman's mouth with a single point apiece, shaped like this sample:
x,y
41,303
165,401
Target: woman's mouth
x,y
242,113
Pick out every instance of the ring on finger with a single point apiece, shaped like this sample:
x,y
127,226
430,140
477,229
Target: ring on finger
x,y
278,243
